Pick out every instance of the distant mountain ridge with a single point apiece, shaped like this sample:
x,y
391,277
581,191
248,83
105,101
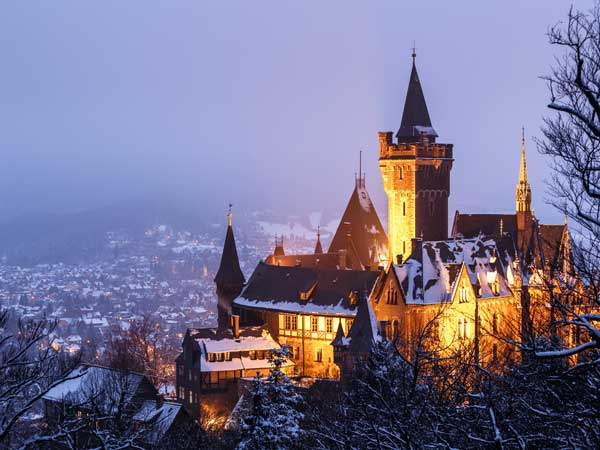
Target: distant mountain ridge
x,y
76,237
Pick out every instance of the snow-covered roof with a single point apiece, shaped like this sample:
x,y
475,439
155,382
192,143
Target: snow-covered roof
x,y
429,275
244,343
95,383
156,420
279,288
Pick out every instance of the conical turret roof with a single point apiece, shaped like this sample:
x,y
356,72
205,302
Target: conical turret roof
x,y
229,272
415,117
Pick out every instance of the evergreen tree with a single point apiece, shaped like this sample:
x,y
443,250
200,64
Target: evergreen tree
x,y
274,422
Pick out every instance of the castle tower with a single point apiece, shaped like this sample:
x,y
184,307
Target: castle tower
x,y
229,279
416,175
523,202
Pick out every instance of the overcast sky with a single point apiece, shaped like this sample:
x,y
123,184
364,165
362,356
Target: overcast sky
x,y
262,103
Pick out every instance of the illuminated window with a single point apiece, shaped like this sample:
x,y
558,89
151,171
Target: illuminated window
x,y
190,397
319,355
329,325
463,294
290,322
496,287
463,328
314,323
495,323
181,393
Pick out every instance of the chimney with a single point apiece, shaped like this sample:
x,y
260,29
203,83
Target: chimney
x,y
417,246
160,401
342,258
235,322
399,259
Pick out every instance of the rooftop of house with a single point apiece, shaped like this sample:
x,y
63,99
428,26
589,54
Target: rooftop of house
x,y
306,290
429,275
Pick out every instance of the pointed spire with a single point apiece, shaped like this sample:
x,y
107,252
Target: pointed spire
x,y
523,166
229,272
360,180
415,117
318,247
523,193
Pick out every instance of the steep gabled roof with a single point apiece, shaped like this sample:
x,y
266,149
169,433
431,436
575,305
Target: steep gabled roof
x,y
364,332
360,220
552,237
280,288
415,117
229,270
429,275
472,225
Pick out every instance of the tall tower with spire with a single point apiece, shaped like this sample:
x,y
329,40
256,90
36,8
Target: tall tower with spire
x,y
416,175
229,279
523,201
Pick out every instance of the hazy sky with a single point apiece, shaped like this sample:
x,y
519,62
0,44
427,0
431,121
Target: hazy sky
x,y
262,102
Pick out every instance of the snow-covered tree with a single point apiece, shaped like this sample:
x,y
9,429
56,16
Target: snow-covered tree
x,y
572,143
274,422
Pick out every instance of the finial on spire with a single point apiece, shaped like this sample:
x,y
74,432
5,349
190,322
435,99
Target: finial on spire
x,y
229,216
414,52
360,179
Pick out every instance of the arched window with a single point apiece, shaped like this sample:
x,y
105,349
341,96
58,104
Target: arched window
x,y
495,323
395,329
431,206
404,208
400,172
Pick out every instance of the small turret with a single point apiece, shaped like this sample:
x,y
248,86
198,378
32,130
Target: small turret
x,y
279,251
229,279
318,247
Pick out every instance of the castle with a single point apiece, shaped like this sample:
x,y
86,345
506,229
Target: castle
x,y
479,287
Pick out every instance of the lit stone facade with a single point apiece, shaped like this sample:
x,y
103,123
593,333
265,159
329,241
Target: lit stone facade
x,y
416,179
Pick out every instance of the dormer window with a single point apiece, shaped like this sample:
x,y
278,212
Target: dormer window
x,y
306,294
353,298
496,287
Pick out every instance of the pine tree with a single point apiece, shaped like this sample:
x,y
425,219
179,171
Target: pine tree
x,y
274,423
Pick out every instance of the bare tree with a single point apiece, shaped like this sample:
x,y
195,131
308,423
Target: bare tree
x,y
572,141
142,349
29,367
